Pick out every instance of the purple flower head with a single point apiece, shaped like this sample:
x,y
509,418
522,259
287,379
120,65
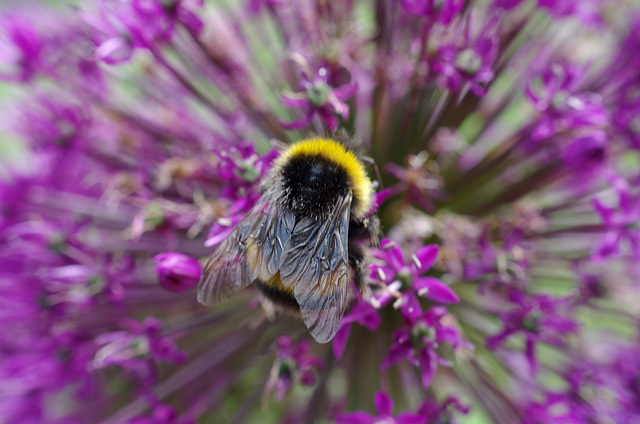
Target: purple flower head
x,y
467,60
241,169
121,27
600,390
626,370
177,272
564,108
59,119
540,318
138,349
418,341
553,87
74,285
619,221
500,257
384,407
294,364
318,96
625,115
410,274
586,153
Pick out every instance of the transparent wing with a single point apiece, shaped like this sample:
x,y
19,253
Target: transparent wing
x,y
315,264
252,251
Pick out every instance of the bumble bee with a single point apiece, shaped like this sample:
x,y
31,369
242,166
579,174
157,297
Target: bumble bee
x,y
300,239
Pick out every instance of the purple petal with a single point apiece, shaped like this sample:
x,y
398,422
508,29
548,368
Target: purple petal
x,y
428,364
177,272
530,353
378,199
605,212
432,288
295,100
382,273
425,257
364,314
394,258
383,404
115,50
190,20
340,340
410,307
346,91
397,352
608,246
299,124
330,119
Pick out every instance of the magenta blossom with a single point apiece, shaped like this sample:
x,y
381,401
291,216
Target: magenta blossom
x,y
294,364
620,221
362,313
410,274
419,339
318,96
138,349
540,318
177,272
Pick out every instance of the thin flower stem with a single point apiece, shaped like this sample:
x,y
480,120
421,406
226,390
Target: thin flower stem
x,y
186,374
544,176
224,114
414,95
592,228
262,117
319,401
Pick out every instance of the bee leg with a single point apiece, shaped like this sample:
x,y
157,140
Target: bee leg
x,y
269,310
358,262
373,230
364,230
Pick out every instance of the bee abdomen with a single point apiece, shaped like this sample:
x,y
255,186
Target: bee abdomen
x,y
274,291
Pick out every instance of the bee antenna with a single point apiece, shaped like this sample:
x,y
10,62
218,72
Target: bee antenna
x,y
376,170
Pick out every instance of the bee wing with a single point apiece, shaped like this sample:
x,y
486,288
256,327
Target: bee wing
x,y
316,266
252,251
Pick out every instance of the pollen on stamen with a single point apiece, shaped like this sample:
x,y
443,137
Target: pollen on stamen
x,y
375,303
225,222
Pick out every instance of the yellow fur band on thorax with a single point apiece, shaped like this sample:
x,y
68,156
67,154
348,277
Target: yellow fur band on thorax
x,y
343,158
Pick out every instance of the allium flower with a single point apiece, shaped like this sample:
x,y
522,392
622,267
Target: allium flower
x,y
177,272
504,137
293,364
